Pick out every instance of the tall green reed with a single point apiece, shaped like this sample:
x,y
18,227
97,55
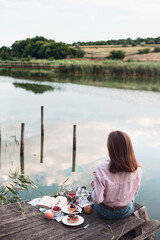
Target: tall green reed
x,y
11,192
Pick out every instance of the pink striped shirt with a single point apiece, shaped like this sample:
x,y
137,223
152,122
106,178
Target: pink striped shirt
x,y
115,189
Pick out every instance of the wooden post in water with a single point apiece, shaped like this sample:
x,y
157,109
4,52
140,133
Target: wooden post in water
x,y
74,137
74,149
73,160
42,125
22,148
22,140
42,146
22,164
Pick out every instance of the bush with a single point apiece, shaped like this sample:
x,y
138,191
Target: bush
x,y
156,49
39,48
80,53
143,51
133,44
116,54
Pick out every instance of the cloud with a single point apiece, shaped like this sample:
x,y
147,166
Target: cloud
x,y
74,20
145,122
138,6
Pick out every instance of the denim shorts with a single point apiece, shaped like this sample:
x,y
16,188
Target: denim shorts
x,y
115,214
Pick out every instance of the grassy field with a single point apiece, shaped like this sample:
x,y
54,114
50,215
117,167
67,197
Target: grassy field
x,y
101,52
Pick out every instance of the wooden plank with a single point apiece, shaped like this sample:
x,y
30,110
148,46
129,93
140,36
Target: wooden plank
x,y
18,222
34,66
10,211
148,228
118,226
20,230
43,228
137,206
31,225
55,230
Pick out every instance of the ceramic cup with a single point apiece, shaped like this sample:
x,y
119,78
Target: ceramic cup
x,y
57,213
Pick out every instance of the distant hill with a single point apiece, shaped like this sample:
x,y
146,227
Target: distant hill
x,y
42,48
123,42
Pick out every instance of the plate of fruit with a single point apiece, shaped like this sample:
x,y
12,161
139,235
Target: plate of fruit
x,y
71,209
73,220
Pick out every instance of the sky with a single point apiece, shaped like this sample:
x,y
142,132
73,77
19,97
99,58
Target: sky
x,y
78,20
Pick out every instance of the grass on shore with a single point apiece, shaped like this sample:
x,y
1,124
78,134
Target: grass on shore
x,y
106,67
108,73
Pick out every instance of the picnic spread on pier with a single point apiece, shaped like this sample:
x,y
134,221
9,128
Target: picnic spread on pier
x,y
108,210
63,217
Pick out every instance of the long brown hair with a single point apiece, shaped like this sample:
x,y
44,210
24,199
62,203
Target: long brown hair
x,y
121,153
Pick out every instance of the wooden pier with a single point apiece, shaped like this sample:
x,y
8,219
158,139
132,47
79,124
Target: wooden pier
x,y
32,66
31,224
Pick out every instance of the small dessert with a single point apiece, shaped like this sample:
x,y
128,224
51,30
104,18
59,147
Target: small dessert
x,y
72,208
72,219
56,210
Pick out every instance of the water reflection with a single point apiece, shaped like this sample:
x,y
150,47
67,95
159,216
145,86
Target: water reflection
x,y
73,160
35,88
74,149
96,112
42,147
22,164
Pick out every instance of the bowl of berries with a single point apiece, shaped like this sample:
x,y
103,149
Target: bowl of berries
x,y
56,210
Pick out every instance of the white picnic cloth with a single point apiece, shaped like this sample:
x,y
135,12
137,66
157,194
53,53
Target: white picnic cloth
x,y
34,203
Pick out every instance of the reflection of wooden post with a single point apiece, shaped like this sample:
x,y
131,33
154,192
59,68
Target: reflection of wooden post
x,y
74,137
42,134
42,145
42,126
73,160
22,164
0,148
74,149
22,140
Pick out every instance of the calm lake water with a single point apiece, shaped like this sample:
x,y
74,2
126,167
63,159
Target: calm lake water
x,y
96,111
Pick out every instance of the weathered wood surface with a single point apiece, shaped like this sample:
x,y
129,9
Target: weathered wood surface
x,y
147,229
33,225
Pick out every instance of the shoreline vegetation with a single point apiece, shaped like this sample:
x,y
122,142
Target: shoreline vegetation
x,y
123,63
107,73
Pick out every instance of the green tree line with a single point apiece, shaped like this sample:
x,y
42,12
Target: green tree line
x,y
123,42
39,48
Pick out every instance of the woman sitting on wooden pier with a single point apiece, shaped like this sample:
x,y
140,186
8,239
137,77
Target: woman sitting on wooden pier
x,y
116,182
